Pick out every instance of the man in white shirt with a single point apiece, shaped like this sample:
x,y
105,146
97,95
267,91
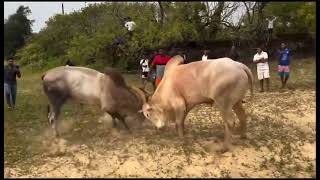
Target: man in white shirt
x,y
270,26
261,59
144,63
205,55
130,25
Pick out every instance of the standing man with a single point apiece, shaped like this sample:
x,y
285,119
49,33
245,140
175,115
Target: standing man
x,y
205,55
283,65
160,62
152,73
270,27
11,71
261,59
144,63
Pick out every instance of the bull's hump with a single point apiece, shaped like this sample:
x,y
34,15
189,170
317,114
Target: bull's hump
x,y
82,69
61,71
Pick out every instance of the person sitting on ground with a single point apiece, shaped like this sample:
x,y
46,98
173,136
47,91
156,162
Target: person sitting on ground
x,y
144,63
205,55
261,59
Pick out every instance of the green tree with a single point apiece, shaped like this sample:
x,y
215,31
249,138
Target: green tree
x,y
293,17
17,28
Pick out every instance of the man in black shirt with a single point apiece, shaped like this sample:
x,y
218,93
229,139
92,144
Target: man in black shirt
x,y
11,71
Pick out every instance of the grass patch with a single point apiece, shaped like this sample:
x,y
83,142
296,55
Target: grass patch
x,y
28,122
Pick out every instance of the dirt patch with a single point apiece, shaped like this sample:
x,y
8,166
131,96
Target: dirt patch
x,y
280,143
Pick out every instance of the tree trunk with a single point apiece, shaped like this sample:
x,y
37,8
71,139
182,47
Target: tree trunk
x,y
161,12
260,24
216,19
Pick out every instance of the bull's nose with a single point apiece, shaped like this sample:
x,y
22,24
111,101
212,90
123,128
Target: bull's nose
x,y
160,124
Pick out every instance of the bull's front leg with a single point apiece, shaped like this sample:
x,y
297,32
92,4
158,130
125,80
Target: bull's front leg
x,y
180,117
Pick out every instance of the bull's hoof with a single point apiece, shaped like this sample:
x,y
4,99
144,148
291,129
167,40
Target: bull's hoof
x,y
216,148
223,150
56,135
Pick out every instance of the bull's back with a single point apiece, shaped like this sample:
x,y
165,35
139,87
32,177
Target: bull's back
x,y
204,80
81,84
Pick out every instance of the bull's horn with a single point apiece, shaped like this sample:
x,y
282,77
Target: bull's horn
x,y
140,93
140,111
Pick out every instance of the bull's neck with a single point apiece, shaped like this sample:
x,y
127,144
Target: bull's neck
x,y
133,92
164,98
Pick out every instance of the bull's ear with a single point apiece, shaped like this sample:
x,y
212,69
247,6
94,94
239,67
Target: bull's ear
x,y
146,107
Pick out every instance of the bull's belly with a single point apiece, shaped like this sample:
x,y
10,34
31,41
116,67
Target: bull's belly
x,y
86,98
192,101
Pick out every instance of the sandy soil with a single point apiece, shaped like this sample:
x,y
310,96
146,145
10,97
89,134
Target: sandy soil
x,y
281,143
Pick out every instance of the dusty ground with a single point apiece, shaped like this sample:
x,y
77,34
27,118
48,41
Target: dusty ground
x,y
281,143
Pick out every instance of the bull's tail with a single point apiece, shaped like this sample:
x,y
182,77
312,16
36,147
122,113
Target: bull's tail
x,y
250,77
48,109
42,76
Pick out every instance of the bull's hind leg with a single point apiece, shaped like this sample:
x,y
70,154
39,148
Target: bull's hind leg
x,y
240,112
54,125
226,113
227,118
55,107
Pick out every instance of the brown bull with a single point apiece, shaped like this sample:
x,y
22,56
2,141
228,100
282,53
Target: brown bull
x,y
88,86
220,81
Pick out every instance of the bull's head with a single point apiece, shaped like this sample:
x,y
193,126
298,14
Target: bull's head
x,y
155,114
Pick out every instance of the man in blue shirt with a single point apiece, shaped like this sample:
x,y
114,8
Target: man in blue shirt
x,y
284,62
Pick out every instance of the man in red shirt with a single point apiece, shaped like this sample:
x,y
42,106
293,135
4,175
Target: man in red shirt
x,y
160,62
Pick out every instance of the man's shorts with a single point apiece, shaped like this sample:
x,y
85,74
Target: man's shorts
x,y
283,71
144,75
263,73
